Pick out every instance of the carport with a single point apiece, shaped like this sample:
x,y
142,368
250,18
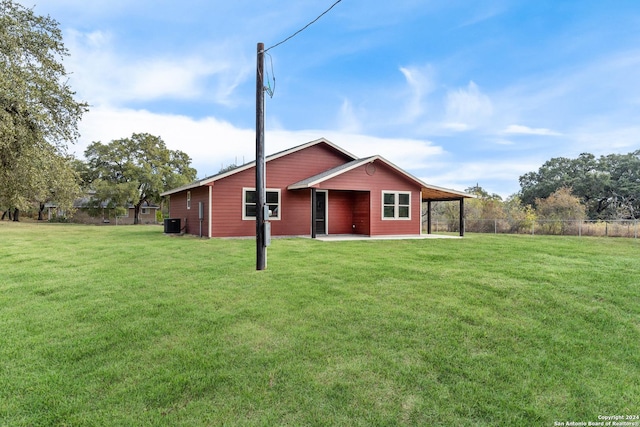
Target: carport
x,y
432,193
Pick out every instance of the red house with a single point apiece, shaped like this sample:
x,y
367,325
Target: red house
x,y
366,196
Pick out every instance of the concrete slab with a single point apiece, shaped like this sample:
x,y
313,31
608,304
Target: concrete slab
x,y
347,237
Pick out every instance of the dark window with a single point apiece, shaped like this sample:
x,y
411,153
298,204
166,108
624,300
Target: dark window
x,y
250,199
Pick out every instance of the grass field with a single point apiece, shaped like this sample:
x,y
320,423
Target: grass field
x,y
126,326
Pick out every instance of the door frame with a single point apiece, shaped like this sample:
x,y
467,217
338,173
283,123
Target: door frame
x,y
314,230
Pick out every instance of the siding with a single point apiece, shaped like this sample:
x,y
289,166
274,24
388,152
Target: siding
x,y
354,198
189,220
341,204
384,178
361,212
295,206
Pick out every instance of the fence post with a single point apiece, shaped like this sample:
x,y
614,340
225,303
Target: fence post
x,y
495,226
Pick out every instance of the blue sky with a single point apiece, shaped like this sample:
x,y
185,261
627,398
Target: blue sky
x,y
455,92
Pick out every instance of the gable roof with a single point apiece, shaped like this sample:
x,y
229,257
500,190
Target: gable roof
x,y
212,178
429,192
331,173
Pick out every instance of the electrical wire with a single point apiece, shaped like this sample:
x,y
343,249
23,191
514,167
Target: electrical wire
x,y
303,28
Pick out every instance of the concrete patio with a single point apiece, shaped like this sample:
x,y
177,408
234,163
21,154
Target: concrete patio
x,y
346,237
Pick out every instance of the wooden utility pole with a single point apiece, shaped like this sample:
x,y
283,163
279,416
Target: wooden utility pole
x,y
261,248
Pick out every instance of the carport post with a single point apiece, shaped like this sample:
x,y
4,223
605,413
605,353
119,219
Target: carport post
x,y
313,213
462,217
429,217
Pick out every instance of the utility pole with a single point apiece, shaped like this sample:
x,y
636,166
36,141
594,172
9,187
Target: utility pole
x,y
261,248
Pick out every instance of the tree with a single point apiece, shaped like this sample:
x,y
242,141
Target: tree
x,y
608,187
136,170
483,208
519,216
560,206
231,167
623,184
38,112
580,174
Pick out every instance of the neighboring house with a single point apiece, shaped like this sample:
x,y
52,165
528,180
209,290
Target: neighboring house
x,y
105,214
313,189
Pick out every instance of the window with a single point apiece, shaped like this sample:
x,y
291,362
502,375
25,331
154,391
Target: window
x,y
396,205
188,199
250,199
145,211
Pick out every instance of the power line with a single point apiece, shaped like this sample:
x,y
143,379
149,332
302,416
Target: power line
x,y
303,28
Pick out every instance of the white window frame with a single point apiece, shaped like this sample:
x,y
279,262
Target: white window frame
x,y
396,205
145,211
272,217
188,199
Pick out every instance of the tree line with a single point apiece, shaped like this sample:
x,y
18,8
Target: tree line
x,y
584,188
39,118
608,186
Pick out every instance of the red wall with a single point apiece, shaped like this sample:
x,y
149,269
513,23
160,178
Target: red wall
x,y
295,206
340,204
361,209
384,178
189,217
354,198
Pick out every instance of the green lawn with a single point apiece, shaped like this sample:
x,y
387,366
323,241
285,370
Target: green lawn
x,y
126,326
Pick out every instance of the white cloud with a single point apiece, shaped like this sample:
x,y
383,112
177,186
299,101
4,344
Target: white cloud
x,y
212,143
347,118
495,176
103,75
601,140
456,127
467,107
209,142
525,130
420,82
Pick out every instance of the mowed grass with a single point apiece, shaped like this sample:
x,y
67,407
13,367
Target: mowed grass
x,y
126,326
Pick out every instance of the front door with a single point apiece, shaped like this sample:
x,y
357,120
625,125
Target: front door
x,y
321,212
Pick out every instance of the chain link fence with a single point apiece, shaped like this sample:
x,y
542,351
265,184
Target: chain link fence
x,y
609,228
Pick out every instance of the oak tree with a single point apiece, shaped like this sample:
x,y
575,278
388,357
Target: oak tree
x,y
136,170
38,112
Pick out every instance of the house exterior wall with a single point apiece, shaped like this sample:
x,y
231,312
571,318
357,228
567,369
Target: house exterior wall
x,y
361,213
295,206
189,220
354,198
148,218
340,215
107,216
383,178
